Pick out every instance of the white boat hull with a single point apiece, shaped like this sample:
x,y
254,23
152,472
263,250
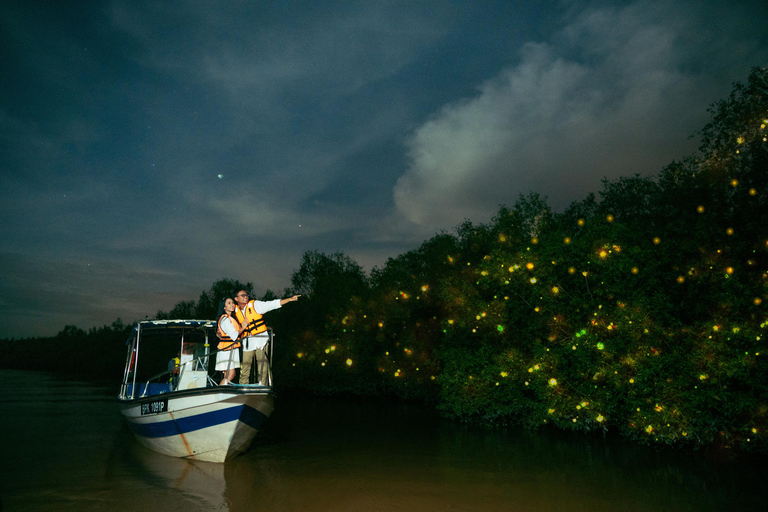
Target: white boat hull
x,y
210,424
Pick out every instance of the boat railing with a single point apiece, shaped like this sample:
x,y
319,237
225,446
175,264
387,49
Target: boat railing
x,y
165,381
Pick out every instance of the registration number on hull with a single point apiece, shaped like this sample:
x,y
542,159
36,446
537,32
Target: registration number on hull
x,y
154,407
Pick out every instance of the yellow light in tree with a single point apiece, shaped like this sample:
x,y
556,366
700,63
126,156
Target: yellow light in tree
x,y
534,240
740,140
729,231
600,418
502,238
635,270
567,240
555,290
702,377
580,222
425,288
700,209
752,192
529,266
300,355
603,253
734,182
349,362
729,270
553,382
504,374
533,280
680,279
572,270
757,301
609,217
656,240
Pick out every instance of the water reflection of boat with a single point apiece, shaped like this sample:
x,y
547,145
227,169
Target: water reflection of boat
x,y
180,410
196,485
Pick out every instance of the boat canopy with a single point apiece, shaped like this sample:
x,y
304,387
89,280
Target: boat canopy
x,y
158,326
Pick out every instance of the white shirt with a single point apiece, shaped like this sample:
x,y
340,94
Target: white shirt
x,y
260,340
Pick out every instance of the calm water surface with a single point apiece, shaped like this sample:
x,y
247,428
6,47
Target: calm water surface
x,y
66,447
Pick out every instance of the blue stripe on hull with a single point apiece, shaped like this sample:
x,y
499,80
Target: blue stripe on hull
x,y
245,414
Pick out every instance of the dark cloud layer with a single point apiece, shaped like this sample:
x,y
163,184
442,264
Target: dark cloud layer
x,y
150,148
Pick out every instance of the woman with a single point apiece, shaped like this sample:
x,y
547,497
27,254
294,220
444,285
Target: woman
x,y
229,329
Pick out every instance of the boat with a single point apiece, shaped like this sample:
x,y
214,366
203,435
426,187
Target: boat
x,y
179,409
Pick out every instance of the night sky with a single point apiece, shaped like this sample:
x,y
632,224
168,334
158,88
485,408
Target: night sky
x,y
150,148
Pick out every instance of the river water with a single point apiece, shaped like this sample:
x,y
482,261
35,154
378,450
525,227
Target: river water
x,y
66,447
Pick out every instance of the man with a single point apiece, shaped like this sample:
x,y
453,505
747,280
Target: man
x,y
254,337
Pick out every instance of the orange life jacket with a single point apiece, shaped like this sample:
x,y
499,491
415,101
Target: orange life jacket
x,y
226,342
254,321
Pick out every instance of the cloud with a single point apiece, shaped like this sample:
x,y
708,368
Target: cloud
x,y
613,93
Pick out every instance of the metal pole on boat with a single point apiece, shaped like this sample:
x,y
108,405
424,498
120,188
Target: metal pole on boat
x,y
136,360
128,364
271,351
207,349
181,366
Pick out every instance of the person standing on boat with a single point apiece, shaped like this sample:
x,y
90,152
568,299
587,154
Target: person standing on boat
x,y
228,330
255,337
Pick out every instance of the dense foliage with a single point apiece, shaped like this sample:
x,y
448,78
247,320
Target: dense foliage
x,y
641,309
